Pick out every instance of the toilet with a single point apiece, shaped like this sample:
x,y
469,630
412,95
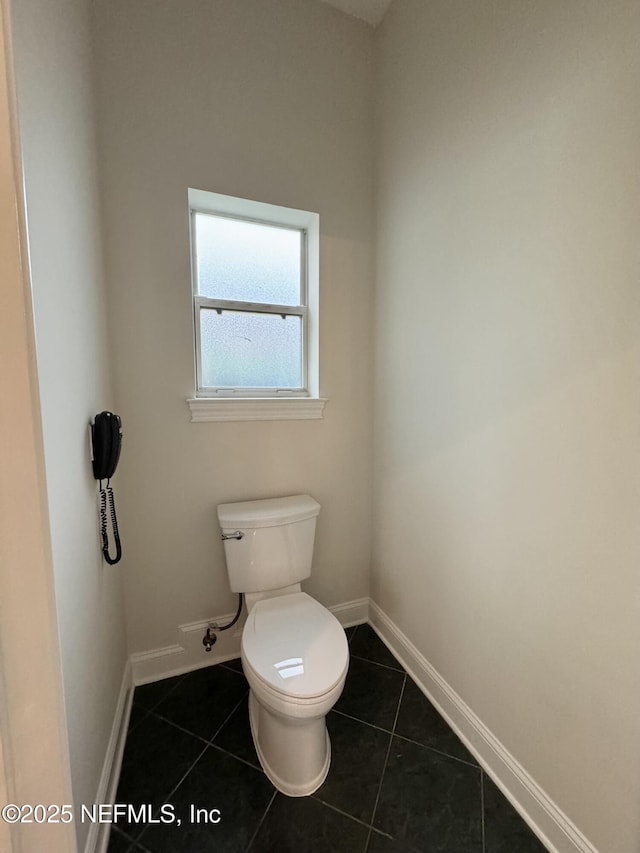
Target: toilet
x,y
294,651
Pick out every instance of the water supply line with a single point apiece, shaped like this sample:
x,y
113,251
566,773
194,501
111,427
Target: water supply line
x,y
210,638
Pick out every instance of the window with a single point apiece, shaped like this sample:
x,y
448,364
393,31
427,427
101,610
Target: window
x,y
255,298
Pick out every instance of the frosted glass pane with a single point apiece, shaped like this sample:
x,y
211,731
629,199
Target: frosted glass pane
x,y
246,261
244,350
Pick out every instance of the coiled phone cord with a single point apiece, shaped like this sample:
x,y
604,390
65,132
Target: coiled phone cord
x,y
106,497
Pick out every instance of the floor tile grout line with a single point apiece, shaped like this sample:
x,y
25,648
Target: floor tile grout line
x,y
380,832
180,678
237,757
438,751
358,720
173,790
208,741
398,668
262,820
125,836
145,714
386,760
179,727
225,665
408,739
227,718
350,816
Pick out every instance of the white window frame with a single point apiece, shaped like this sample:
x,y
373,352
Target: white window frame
x,y
261,403
301,310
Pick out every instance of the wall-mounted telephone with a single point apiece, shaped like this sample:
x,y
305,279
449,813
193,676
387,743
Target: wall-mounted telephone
x,y
106,442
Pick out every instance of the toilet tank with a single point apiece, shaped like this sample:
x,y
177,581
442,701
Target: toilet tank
x,y
276,546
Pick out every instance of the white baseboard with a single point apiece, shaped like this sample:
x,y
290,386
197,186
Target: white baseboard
x,y
549,823
98,836
351,612
189,654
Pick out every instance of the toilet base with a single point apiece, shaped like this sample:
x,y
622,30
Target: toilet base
x,y
295,754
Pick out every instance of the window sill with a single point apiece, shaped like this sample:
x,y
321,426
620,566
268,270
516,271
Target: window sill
x,y
256,408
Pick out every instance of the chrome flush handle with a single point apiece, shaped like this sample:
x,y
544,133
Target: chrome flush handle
x,y
237,535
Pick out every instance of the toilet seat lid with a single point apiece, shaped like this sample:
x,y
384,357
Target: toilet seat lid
x,y
295,645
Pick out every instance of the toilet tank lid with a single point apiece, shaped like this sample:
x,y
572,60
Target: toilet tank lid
x,y
268,513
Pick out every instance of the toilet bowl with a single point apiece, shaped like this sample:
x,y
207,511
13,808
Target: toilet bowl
x,y
295,653
295,657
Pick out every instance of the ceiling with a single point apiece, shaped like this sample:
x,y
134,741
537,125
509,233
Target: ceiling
x,y
371,11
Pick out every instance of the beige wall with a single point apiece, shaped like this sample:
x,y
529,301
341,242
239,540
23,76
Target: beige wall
x,y
507,415
262,99
53,72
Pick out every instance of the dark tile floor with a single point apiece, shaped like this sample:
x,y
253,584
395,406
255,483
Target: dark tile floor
x,y
400,780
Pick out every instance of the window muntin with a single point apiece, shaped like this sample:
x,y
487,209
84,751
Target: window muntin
x,y
251,304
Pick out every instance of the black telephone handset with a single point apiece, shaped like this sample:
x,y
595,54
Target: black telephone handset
x,y
106,436
106,442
